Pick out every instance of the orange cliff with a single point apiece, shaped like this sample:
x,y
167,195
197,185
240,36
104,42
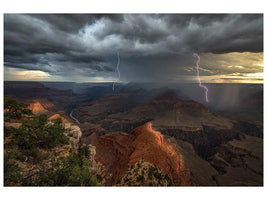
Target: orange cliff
x,y
37,108
55,116
118,152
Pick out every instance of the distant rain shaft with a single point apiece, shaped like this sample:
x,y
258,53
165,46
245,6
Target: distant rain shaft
x,y
118,70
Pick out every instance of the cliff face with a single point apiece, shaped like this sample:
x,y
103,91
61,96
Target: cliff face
x,y
119,152
37,108
55,116
43,106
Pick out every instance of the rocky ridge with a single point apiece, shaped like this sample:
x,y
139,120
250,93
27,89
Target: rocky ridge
x,y
119,152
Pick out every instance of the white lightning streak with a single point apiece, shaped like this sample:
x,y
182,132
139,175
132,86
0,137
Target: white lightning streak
x,y
199,81
119,75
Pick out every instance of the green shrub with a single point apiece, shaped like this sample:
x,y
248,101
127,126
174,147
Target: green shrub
x,y
84,151
35,155
158,175
73,170
150,172
37,132
15,109
12,154
99,178
138,165
140,178
118,181
12,172
8,130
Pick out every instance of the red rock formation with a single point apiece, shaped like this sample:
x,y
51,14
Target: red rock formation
x,y
58,116
37,108
119,152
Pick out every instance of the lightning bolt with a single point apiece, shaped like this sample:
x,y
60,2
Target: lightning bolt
x,y
118,70
199,81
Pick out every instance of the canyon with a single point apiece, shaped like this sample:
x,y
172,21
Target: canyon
x,y
137,130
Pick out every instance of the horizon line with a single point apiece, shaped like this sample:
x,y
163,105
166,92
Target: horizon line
x,y
111,82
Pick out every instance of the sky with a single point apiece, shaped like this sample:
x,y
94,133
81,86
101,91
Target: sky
x,y
151,47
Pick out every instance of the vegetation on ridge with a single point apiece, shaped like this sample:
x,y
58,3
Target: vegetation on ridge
x,y
14,109
32,143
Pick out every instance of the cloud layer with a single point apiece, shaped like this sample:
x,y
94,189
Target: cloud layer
x,y
152,47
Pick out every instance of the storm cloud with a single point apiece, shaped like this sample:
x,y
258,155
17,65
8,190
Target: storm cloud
x,y
154,46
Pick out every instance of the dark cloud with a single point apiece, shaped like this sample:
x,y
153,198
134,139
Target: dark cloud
x,y
73,22
66,44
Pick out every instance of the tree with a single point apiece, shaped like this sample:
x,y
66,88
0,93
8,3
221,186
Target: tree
x,y
14,109
37,132
12,172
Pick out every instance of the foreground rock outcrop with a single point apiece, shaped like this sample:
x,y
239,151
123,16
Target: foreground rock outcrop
x,y
29,162
145,174
119,152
